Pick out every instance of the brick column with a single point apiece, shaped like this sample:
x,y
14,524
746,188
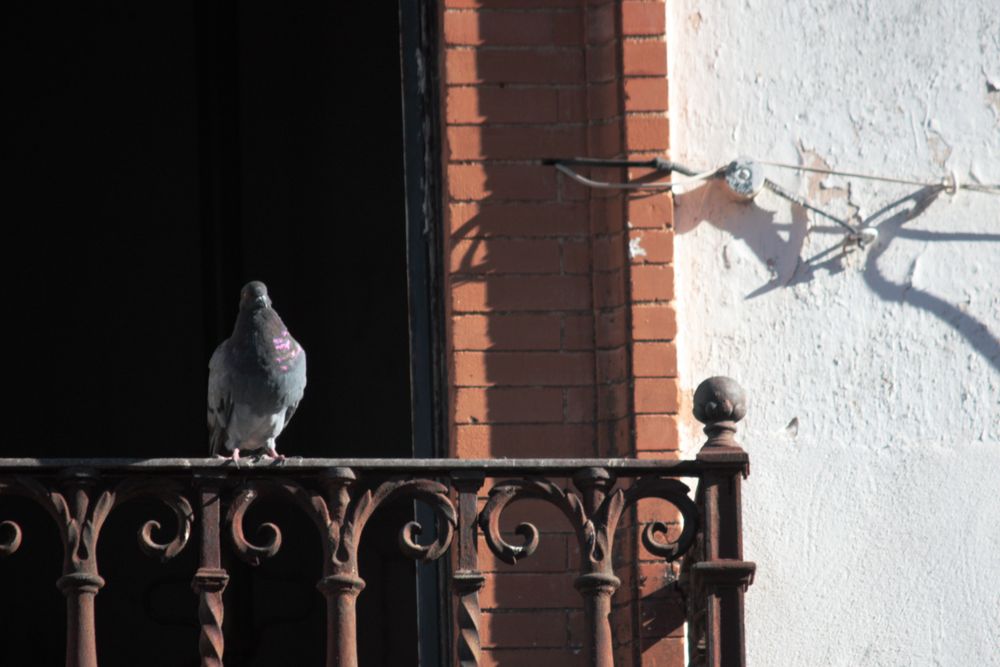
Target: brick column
x,y
559,338
652,316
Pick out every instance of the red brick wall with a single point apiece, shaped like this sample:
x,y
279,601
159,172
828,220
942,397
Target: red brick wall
x,y
560,343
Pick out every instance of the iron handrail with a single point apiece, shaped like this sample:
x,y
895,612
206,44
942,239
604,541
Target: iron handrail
x,y
490,467
340,495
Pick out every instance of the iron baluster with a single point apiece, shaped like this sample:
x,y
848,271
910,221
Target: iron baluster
x,y
467,580
595,518
80,493
79,510
341,518
721,575
210,579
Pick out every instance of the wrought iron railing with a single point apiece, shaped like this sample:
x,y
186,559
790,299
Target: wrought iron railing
x,y
340,495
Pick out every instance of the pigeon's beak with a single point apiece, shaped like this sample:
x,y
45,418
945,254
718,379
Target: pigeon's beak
x,y
262,302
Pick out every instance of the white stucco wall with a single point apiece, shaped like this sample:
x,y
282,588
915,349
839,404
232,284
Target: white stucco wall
x,y
873,507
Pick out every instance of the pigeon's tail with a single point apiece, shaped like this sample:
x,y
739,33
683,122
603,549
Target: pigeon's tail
x,y
216,440
217,431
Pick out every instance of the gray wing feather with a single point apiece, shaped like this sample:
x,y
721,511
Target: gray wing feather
x,y
298,385
220,402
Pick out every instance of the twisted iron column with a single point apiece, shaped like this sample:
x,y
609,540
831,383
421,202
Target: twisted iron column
x,y
467,580
210,580
341,518
595,517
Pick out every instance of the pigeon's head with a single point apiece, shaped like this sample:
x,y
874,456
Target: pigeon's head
x,y
254,296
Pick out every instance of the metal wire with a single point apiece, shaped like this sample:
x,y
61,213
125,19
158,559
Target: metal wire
x,y
603,185
948,182
781,192
658,163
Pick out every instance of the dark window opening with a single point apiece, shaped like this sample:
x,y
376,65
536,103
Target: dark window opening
x,y
164,154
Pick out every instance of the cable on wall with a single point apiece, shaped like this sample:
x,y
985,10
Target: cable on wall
x,y
950,183
744,178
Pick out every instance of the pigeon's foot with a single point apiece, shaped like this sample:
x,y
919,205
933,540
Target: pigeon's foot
x,y
236,457
272,453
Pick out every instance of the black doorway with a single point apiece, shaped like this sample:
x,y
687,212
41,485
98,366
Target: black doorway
x,y
164,154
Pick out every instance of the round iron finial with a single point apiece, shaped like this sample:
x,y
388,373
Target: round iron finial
x,y
719,398
720,402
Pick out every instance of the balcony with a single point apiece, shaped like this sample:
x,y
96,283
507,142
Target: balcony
x,y
210,499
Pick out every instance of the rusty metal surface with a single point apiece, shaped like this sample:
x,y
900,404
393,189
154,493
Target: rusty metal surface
x,y
467,580
79,502
715,572
340,496
340,508
210,579
594,512
499,467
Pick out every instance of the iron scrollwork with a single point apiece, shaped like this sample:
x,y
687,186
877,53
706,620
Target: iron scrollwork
x,y
81,517
594,514
79,506
80,497
341,519
595,531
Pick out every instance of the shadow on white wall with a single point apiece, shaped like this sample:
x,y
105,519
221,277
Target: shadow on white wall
x,y
779,246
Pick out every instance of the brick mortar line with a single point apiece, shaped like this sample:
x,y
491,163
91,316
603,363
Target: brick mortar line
x,y
477,48
511,11
497,43
499,611
513,162
552,202
615,78
665,153
525,239
611,348
521,237
602,44
536,86
645,113
608,272
525,85
516,201
560,352
523,423
551,312
574,125
644,39
525,126
647,263
512,274
520,274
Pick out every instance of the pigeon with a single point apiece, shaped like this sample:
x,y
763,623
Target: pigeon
x,y
256,379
